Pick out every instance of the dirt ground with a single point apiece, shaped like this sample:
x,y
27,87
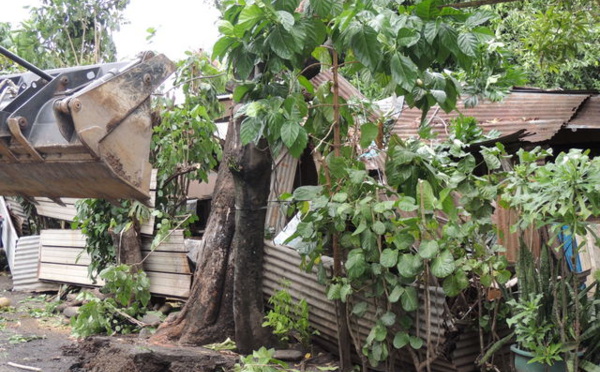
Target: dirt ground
x,y
30,336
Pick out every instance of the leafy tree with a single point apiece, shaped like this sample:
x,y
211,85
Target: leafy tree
x,y
556,42
69,32
269,47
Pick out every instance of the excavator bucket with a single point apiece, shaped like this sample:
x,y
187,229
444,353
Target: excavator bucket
x,y
81,131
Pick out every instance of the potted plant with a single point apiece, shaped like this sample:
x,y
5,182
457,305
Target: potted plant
x,y
546,312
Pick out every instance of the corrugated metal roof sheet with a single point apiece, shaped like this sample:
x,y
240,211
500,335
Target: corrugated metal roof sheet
x,y
25,268
541,114
588,117
282,262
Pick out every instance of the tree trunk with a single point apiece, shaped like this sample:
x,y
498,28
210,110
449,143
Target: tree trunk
x,y
207,316
129,246
251,168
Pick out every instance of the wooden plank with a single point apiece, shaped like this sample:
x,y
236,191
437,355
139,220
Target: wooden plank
x,y
175,243
171,285
62,238
72,274
167,284
65,255
168,262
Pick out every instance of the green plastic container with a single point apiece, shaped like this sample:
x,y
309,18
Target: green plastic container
x,y
523,357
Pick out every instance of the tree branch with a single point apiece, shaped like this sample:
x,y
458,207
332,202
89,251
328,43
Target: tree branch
x,y
476,3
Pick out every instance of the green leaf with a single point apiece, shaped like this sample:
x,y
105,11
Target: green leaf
x,y
409,299
425,197
368,134
301,141
396,293
454,284
307,192
250,130
404,71
366,47
443,265
281,41
360,309
322,7
240,91
345,291
388,319
388,258
334,292
408,37
478,18
467,42
401,339
378,228
289,133
416,342
249,17
286,19
356,264
384,206
306,84
221,47
430,31
427,9
428,249
409,265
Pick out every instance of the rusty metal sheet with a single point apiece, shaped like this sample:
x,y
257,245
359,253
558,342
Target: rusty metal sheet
x,y
282,262
588,117
540,114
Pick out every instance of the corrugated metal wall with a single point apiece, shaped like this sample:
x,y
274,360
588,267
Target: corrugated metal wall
x,y
461,347
25,268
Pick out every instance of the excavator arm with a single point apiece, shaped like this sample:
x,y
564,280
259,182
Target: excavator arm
x,y
80,131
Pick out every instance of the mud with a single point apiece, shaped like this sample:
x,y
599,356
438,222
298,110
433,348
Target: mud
x,y
28,335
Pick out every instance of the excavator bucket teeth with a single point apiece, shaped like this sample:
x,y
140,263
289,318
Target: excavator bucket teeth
x,y
85,133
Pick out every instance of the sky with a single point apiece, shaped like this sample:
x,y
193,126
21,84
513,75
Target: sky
x,y
180,25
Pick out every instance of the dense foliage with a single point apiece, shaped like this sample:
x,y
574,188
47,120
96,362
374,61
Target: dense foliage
x,y
62,33
556,42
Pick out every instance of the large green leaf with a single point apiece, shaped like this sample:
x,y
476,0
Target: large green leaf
x,y
425,197
409,265
455,283
286,19
401,339
307,192
428,249
443,265
322,7
407,37
250,16
222,46
396,293
368,134
467,42
289,133
250,130
281,42
366,47
388,258
409,299
404,71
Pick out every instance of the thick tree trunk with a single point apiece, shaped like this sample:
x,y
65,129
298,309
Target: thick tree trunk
x,y
207,316
251,168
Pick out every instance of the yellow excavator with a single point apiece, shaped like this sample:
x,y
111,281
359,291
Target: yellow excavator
x,y
79,132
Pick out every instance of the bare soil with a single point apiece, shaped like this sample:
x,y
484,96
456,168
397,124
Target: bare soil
x,y
31,336
28,335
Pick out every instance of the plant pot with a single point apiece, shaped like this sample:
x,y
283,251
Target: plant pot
x,y
522,364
